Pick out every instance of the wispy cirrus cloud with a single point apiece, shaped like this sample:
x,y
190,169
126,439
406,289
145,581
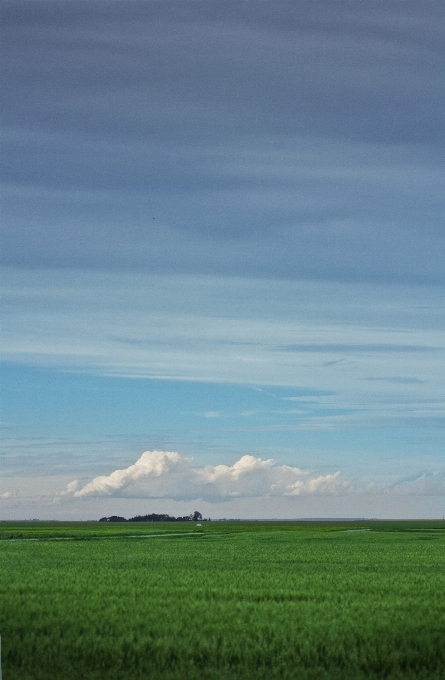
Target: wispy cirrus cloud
x,y
354,349
311,138
397,380
427,483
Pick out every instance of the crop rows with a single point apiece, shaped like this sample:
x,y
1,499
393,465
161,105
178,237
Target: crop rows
x,y
228,604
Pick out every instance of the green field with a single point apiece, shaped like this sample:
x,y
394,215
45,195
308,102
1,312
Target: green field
x,y
226,600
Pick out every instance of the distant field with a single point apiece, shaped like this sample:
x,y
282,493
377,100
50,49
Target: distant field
x,y
226,600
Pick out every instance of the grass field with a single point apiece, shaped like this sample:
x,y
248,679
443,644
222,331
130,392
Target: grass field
x,y
226,600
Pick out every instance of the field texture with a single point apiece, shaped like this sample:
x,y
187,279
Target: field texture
x,y
222,601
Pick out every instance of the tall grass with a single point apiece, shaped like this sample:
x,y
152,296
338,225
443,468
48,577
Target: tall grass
x,y
226,604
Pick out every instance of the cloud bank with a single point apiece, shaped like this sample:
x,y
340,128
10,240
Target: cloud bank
x,y
166,474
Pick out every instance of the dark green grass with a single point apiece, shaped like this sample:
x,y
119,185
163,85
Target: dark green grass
x,y
86,530
239,600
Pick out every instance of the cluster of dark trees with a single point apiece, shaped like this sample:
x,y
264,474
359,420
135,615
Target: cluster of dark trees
x,y
194,517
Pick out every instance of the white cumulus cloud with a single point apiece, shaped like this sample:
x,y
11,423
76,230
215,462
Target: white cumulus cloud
x,y
165,474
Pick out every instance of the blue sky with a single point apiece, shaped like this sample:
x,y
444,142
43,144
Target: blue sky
x,y
223,244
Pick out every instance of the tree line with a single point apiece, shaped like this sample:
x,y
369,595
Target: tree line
x,y
194,517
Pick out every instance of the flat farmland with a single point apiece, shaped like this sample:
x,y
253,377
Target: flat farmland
x,y
224,600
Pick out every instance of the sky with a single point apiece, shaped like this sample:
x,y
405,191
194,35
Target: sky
x,y
223,258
